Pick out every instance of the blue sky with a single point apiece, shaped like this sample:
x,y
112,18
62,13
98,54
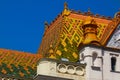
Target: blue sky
x,y
22,21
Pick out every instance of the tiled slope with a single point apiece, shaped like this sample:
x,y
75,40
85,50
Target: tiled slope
x,y
18,64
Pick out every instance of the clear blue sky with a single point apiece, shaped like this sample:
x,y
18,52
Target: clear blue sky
x,y
22,21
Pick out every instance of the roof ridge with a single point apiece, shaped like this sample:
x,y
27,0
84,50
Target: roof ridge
x,y
15,51
89,13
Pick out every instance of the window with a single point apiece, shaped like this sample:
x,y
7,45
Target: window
x,y
94,56
96,62
113,63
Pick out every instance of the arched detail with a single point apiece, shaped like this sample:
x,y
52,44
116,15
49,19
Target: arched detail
x,y
82,56
62,68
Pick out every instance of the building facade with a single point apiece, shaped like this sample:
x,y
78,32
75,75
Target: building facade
x,y
97,39
75,46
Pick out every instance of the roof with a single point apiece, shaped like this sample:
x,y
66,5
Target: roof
x,y
66,29
18,64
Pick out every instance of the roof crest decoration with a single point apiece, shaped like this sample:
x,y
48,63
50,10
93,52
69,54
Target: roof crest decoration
x,y
66,11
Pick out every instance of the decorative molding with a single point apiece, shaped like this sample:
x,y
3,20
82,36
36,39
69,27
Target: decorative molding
x,y
70,69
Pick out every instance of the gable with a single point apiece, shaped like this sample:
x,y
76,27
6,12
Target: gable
x,y
114,41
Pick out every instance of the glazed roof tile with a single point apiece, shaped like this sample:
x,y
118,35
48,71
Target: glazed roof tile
x,y
19,64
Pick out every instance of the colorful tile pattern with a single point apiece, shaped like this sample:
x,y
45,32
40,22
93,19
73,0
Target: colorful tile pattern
x,y
18,64
68,28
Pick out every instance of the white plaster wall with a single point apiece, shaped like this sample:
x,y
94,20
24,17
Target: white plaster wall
x,y
118,63
105,68
50,67
91,74
108,75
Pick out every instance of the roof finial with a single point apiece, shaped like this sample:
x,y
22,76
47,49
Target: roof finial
x,y
66,11
119,9
65,5
46,25
88,9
